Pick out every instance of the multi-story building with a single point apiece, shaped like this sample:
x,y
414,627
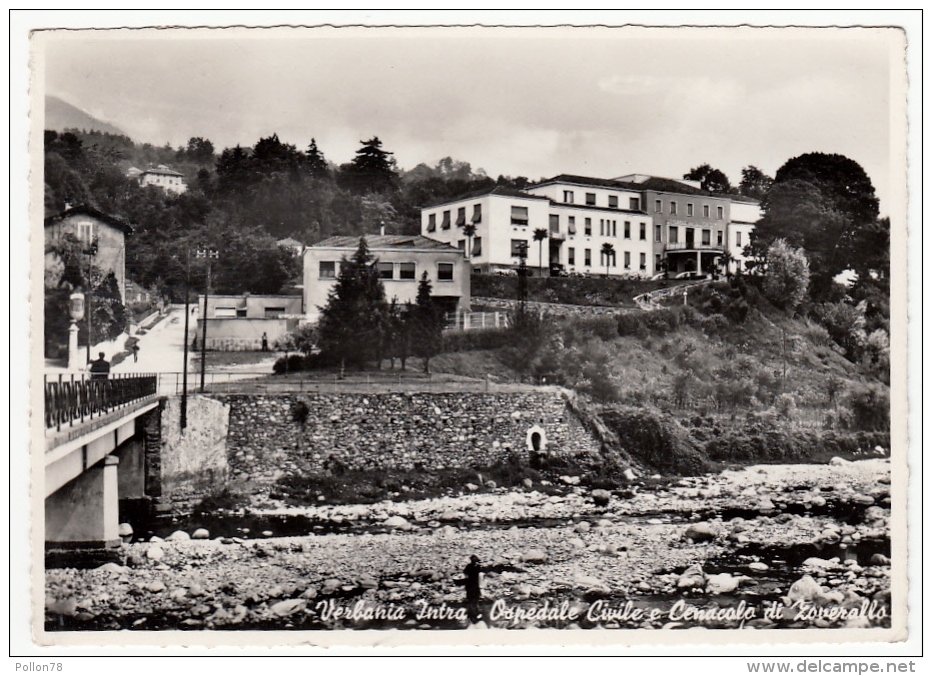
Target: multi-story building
x,y
236,323
101,235
635,225
401,260
162,176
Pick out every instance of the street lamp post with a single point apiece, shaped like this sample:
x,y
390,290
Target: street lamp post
x,y
209,254
187,314
90,252
76,312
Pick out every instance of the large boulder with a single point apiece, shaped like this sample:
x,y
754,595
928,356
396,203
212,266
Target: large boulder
x,y
701,532
601,497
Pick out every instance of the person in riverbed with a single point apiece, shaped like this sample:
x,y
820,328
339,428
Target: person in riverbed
x,y
473,573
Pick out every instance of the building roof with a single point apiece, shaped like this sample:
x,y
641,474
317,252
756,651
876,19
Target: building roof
x,y
381,242
588,180
88,210
498,191
289,241
162,170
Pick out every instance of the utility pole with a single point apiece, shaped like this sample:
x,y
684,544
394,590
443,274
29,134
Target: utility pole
x,y
187,314
209,254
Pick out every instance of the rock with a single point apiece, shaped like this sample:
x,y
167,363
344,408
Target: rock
x,y
600,497
821,564
691,577
534,556
857,622
396,521
766,505
114,568
309,593
528,483
701,532
66,606
590,583
368,582
125,531
289,607
570,480
804,589
582,527
839,461
155,586
267,533
758,566
155,553
723,583
472,487
331,585
196,589
201,534
178,536
577,543
862,499
879,559
629,474
491,485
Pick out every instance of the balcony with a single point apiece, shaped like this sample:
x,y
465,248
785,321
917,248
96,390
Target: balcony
x,y
694,246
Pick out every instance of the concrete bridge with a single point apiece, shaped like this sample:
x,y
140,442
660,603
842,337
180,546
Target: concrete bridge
x,y
111,443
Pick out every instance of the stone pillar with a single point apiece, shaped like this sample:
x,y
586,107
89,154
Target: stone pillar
x,y
85,511
74,358
698,262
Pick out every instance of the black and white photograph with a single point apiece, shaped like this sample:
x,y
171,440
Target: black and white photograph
x,y
468,334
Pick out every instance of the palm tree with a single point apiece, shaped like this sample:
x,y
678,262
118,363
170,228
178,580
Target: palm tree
x,y
539,236
608,252
470,231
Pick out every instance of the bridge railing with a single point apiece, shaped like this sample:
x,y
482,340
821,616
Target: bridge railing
x,y
75,398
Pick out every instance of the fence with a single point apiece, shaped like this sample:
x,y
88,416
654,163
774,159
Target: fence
x,y
71,398
465,321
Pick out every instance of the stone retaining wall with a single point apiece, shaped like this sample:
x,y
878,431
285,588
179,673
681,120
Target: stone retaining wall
x,y
405,431
557,309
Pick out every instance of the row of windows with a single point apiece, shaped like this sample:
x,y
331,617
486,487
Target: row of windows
x,y
690,209
445,224
706,236
403,271
607,258
607,227
569,197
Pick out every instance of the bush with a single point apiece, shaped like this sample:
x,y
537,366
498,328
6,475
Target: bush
x,y
289,364
483,339
656,439
870,409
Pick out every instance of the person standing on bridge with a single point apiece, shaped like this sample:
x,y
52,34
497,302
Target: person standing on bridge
x,y
100,368
135,349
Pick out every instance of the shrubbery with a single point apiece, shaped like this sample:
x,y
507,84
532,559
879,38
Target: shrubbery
x,y
655,439
482,339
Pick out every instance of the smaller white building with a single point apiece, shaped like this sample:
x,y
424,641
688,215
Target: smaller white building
x,y
745,212
401,261
162,176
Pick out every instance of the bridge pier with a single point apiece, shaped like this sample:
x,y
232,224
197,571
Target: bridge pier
x,y
85,511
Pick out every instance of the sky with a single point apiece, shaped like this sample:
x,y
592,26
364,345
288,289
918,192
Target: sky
x,y
531,102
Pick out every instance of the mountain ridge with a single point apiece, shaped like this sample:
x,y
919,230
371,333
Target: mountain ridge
x,y
61,115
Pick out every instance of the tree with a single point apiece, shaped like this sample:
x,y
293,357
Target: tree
x,y
754,183
352,324
608,254
710,179
199,150
826,205
314,162
372,170
540,234
787,278
428,324
470,231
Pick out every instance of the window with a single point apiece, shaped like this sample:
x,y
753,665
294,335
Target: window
x,y
224,311
477,213
607,258
444,272
658,206
461,217
738,238
86,232
613,201
706,237
328,270
587,254
518,248
689,209
571,225
554,223
386,271
588,227
658,233
657,259
477,246
627,260
571,256
590,199
634,203
274,312
407,271
721,212
431,222
674,234
719,237
446,220
614,228
519,215
568,196
673,208
643,232
627,229
601,227
705,210
643,264
461,245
